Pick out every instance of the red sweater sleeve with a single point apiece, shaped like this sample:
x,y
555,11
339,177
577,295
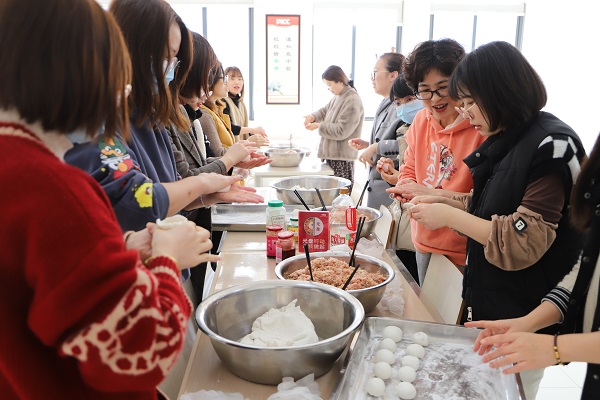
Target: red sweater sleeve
x,y
94,300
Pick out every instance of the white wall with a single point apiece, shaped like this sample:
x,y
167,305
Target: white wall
x,y
559,40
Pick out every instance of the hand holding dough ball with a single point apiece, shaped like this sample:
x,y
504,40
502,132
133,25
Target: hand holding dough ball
x,y
406,391
393,332
407,374
410,361
171,222
421,338
382,370
384,355
388,344
415,350
375,387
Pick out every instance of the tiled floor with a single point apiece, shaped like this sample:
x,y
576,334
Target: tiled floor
x,y
562,383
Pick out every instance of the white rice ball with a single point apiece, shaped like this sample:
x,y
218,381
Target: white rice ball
x,y
410,361
415,350
382,370
384,355
407,374
421,338
393,332
406,391
389,344
375,387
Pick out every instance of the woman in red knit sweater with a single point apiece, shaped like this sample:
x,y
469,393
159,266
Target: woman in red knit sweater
x,y
82,317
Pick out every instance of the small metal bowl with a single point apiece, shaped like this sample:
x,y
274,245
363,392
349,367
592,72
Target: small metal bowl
x,y
285,157
329,187
369,297
372,216
227,316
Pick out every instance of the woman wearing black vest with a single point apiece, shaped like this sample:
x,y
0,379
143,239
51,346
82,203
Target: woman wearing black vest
x,y
575,299
520,243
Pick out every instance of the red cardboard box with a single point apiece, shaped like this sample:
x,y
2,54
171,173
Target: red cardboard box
x,y
313,228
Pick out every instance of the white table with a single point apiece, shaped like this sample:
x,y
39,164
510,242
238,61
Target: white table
x,y
263,176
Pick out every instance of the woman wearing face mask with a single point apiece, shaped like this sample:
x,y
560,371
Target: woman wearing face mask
x,y
139,175
341,119
385,128
520,241
401,96
438,140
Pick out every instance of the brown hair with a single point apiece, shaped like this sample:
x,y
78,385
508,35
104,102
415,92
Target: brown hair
x,y
63,65
203,61
145,25
235,71
334,73
213,78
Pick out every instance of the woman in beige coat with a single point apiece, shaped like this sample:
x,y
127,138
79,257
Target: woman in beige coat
x,y
341,119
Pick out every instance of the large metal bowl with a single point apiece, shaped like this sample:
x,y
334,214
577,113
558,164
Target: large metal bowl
x,y
372,216
369,297
285,157
329,187
227,316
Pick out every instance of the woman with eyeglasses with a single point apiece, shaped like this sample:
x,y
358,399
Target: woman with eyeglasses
x,y
82,316
520,242
438,140
139,175
384,132
339,121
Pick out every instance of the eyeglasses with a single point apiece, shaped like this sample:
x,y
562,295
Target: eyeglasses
x,y
375,73
226,79
428,94
465,111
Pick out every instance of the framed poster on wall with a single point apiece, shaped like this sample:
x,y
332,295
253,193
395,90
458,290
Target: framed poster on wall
x,y
283,59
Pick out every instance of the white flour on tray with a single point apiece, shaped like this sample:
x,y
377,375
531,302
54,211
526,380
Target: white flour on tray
x,y
448,371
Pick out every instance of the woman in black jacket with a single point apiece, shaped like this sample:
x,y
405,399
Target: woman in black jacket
x,y
575,301
520,243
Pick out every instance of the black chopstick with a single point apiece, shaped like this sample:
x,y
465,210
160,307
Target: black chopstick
x,y
350,277
321,198
363,193
308,260
301,199
361,222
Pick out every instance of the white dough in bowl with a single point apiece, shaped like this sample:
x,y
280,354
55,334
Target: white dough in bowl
x,y
382,370
171,222
384,355
410,361
406,391
393,332
389,344
421,338
415,350
375,387
407,374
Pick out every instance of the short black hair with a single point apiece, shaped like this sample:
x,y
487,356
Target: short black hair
x,y
442,55
507,89
399,89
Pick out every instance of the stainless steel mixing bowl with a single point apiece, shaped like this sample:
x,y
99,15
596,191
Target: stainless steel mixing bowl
x,y
227,316
372,216
329,187
285,157
369,297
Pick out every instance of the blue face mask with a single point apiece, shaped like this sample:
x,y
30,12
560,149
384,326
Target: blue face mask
x,y
169,69
407,111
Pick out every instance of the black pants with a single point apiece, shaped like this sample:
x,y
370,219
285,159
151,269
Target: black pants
x,y
410,262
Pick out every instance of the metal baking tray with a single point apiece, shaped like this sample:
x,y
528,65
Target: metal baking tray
x,y
244,217
450,369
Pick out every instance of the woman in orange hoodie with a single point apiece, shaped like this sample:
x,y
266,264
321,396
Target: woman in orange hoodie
x,y
438,140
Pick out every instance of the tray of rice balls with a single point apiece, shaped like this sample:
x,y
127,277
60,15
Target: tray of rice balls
x,y
404,359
